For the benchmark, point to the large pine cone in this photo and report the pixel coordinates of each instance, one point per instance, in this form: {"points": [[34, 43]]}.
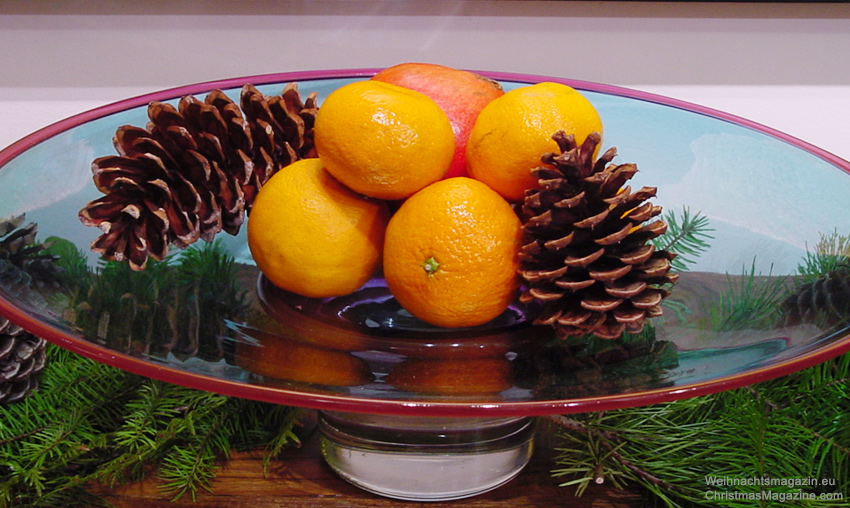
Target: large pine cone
{"points": [[194, 170], [22, 358], [586, 256]]}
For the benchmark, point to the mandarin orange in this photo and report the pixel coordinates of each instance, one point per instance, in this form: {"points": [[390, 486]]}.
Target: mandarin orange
{"points": [[461, 94], [313, 236], [451, 253], [383, 140], [515, 130]]}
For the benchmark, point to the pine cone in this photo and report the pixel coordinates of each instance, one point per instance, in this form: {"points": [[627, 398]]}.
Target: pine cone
{"points": [[824, 302], [22, 259], [194, 171], [22, 357], [587, 366], [585, 256]]}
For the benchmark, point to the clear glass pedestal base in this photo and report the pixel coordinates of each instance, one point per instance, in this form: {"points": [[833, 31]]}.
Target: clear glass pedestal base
{"points": [[425, 458]]}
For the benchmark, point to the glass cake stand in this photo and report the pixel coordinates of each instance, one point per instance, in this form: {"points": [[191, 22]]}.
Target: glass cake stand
{"points": [[415, 412]]}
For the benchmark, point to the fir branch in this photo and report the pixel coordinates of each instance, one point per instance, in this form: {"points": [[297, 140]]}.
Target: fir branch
{"points": [[608, 440], [687, 236], [187, 468], [93, 423], [791, 427], [287, 421]]}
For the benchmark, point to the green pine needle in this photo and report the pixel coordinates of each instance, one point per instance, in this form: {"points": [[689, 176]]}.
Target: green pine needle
{"points": [[791, 427], [688, 236], [751, 300], [831, 252], [91, 423]]}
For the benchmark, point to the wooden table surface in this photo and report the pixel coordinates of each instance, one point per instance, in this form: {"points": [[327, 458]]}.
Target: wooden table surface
{"points": [[302, 479]]}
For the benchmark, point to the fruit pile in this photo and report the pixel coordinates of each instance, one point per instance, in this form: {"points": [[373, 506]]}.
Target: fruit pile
{"points": [[417, 173]]}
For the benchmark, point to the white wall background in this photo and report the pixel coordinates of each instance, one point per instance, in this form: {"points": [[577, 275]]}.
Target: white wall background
{"points": [[784, 65]]}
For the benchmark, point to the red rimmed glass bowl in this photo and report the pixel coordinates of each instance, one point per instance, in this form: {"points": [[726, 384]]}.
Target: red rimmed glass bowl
{"points": [[768, 199]]}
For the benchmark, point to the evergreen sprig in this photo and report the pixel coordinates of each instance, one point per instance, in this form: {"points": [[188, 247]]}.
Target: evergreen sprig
{"points": [[830, 253], [93, 423], [792, 427], [688, 236], [751, 300]]}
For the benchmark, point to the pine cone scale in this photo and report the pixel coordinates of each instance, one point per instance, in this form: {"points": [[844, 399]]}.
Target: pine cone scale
{"points": [[637, 255], [6, 345], [538, 275], [553, 185], [592, 221], [529, 250], [570, 202], [546, 293], [606, 274], [599, 303], [644, 212], [11, 224], [583, 259], [574, 316], [559, 243], [19, 240], [575, 284], [620, 289], [615, 237], [616, 178], [22, 358], [656, 267], [629, 316], [647, 300]]}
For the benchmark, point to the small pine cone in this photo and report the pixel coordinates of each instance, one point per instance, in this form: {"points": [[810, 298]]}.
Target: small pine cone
{"points": [[22, 358], [22, 258], [824, 302], [585, 257], [194, 170]]}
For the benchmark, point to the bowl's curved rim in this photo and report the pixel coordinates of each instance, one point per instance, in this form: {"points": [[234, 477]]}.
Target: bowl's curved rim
{"points": [[343, 402]]}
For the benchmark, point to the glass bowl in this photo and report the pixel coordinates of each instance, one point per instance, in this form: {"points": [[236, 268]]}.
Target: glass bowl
{"points": [[768, 199]]}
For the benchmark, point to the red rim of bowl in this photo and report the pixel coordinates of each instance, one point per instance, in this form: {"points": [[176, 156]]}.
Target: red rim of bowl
{"points": [[400, 406]]}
